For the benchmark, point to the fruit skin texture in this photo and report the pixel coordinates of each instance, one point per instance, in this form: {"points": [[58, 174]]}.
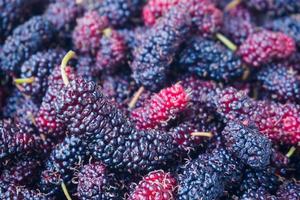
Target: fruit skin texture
{"points": [[95, 182], [88, 32], [289, 190], [152, 58], [112, 52], [13, 13], [198, 182], [156, 185], [265, 46], [22, 172], [276, 7], [259, 194], [63, 160], [254, 179], [26, 39], [161, 108], [289, 25], [247, 144], [112, 137], [119, 12], [40, 66], [46, 119], [13, 141], [281, 83], [238, 24], [207, 19], [209, 59], [15, 192]]}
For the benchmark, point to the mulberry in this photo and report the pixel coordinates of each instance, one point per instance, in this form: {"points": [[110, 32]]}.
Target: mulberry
{"points": [[238, 24], [27, 39], [265, 46], [289, 190], [13, 13], [64, 158], [156, 185], [88, 32], [13, 141], [46, 119], [210, 60], [161, 108], [95, 182], [280, 83], [115, 141], [288, 25], [247, 144], [112, 52], [39, 66], [119, 12], [151, 59]]}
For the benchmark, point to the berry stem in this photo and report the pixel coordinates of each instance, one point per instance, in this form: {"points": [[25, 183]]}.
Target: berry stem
{"points": [[290, 152], [107, 32], [230, 45], [232, 4], [65, 190], [24, 80], [202, 134], [64, 62], [136, 97]]}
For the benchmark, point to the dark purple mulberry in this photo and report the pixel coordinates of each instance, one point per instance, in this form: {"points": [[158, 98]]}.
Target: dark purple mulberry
{"points": [[14, 141], [289, 190], [95, 182], [86, 67], [238, 24], [116, 142], [211, 60], [63, 160], [119, 12], [254, 179], [13, 13], [112, 52], [289, 25], [39, 66], [152, 58], [247, 144], [280, 83], [27, 39], [259, 194]]}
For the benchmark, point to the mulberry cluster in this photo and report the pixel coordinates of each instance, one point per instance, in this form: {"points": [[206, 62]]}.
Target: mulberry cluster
{"points": [[13, 13], [27, 39], [115, 140], [152, 58], [161, 108], [262, 47], [211, 60]]}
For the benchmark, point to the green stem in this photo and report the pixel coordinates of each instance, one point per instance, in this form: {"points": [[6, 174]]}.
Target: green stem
{"points": [[64, 62], [65, 190], [290, 152], [24, 80], [230, 45]]}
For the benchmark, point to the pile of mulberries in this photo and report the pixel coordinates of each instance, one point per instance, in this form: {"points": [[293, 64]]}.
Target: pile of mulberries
{"points": [[149, 100]]}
